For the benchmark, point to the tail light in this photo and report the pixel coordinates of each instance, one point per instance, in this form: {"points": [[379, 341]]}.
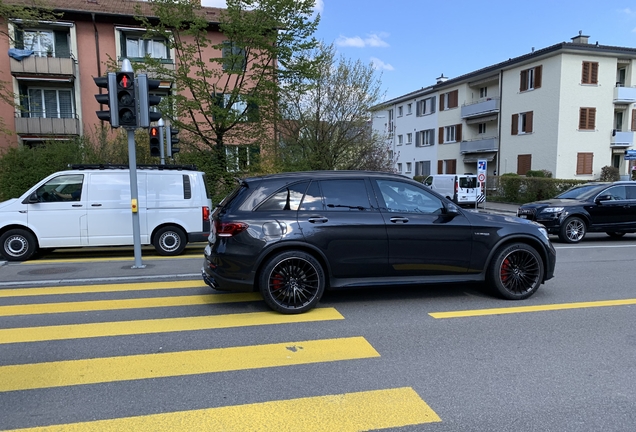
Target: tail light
{"points": [[229, 229], [456, 188], [206, 213]]}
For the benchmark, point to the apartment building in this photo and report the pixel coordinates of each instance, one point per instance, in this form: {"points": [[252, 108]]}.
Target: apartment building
{"points": [[54, 87], [568, 108]]}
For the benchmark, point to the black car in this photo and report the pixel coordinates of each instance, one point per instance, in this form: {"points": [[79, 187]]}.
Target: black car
{"points": [[590, 207], [293, 235]]}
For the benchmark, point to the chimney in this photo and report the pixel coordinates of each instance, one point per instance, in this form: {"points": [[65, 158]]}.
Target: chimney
{"points": [[580, 39], [441, 79]]}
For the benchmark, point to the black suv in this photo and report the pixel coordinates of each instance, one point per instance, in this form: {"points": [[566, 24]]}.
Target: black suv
{"points": [[590, 207], [292, 235]]}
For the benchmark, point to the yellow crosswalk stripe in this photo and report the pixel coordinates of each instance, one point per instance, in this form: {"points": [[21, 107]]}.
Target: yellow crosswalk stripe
{"points": [[348, 412], [138, 303], [537, 308], [85, 289], [121, 328], [144, 366]]}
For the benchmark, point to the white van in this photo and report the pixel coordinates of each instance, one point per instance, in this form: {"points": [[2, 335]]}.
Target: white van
{"points": [[463, 189], [90, 205]]}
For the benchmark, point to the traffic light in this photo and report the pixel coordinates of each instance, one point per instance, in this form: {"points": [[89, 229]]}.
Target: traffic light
{"points": [[173, 140], [109, 98], [146, 100], [126, 99], [155, 142]]}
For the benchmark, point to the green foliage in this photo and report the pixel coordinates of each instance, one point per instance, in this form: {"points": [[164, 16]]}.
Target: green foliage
{"points": [[419, 178], [539, 173], [517, 189], [610, 174]]}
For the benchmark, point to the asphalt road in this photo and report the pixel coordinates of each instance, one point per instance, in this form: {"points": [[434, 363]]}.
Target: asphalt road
{"points": [[85, 340]]}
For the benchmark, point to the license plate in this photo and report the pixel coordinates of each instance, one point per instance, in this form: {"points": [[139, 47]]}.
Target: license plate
{"points": [[523, 216]]}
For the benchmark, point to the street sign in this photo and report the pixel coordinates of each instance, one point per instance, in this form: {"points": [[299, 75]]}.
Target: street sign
{"points": [[630, 152], [482, 177]]}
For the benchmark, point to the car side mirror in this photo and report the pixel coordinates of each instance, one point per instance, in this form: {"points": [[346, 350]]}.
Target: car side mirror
{"points": [[452, 210], [33, 198], [603, 198]]}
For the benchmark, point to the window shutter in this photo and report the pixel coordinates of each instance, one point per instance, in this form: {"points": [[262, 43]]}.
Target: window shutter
{"points": [[440, 136], [418, 142], [585, 76], [580, 161], [524, 164], [458, 134], [634, 119], [62, 49], [453, 98], [584, 163], [537, 76], [594, 73], [441, 102], [523, 84], [451, 166], [515, 124], [18, 37], [529, 116], [440, 167], [582, 118], [588, 163], [591, 118], [431, 137], [418, 108]]}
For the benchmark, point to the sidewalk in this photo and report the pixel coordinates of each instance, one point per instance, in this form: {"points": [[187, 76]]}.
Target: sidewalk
{"points": [[499, 208]]}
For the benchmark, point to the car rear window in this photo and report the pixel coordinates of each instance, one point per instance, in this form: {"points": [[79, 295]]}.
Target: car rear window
{"points": [[468, 182]]}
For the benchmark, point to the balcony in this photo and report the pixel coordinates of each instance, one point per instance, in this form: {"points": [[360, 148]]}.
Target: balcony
{"points": [[34, 66], [47, 126], [481, 108], [622, 139], [479, 145], [624, 95]]}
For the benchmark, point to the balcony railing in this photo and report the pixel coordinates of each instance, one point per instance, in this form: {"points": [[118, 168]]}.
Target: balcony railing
{"points": [[34, 65], [47, 126], [479, 145], [621, 139], [480, 108], [624, 95]]}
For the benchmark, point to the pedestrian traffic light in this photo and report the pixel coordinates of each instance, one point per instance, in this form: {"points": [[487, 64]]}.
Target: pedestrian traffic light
{"points": [[146, 100], [126, 99], [109, 98], [173, 140], [155, 141]]}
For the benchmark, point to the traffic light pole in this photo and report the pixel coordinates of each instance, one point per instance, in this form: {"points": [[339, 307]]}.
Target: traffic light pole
{"points": [[134, 198], [162, 153]]}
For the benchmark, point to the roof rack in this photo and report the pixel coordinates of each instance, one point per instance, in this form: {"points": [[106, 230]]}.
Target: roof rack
{"points": [[142, 167]]}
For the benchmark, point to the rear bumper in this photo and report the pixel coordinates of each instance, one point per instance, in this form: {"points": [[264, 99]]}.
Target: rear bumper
{"points": [[194, 237]]}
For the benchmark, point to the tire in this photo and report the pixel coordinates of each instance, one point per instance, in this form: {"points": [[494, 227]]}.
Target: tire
{"points": [[292, 282], [573, 230], [516, 271], [615, 235], [169, 241], [17, 245]]}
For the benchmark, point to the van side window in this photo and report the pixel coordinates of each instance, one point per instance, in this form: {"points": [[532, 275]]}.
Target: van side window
{"points": [[187, 189], [61, 188]]}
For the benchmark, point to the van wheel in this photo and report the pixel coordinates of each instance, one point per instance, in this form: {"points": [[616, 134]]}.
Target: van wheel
{"points": [[169, 240], [18, 245], [292, 282]]}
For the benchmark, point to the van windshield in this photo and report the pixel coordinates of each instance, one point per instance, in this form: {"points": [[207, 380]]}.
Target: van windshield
{"points": [[468, 182]]}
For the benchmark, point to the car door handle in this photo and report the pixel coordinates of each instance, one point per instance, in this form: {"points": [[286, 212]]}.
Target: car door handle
{"points": [[77, 205], [318, 219], [96, 205], [399, 220]]}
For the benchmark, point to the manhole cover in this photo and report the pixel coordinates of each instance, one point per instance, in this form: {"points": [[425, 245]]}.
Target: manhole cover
{"points": [[50, 271]]}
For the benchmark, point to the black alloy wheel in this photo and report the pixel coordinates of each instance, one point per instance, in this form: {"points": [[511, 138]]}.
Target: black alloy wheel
{"points": [[292, 282], [516, 272]]}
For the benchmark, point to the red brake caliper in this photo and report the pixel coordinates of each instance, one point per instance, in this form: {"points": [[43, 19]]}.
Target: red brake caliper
{"points": [[505, 266], [277, 283]]}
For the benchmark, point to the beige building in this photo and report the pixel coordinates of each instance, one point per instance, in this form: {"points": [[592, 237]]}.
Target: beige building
{"points": [[568, 108]]}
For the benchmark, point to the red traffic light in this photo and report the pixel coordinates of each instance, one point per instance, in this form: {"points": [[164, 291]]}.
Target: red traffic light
{"points": [[125, 81], [154, 131]]}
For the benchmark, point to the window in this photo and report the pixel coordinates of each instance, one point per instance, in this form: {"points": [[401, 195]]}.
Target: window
{"points": [[136, 46], [448, 166], [483, 92], [425, 106], [408, 167], [399, 168], [400, 140], [400, 111], [238, 107], [450, 134], [61, 188], [234, 59], [409, 109], [449, 100], [409, 138], [530, 78], [589, 74], [524, 164], [404, 197], [345, 195], [287, 198], [522, 123], [423, 168], [587, 118], [241, 157], [43, 42], [482, 128], [425, 138], [584, 163], [49, 103], [390, 125], [40, 41]]}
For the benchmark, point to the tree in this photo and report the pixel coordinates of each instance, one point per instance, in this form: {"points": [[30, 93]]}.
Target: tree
{"points": [[226, 91], [326, 118]]}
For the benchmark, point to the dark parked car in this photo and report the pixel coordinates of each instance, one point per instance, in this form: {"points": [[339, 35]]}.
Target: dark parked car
{"points": [[293, 235], [591, 207]]}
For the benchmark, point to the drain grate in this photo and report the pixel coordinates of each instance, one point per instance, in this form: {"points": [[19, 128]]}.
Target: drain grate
{"points": [[50, 271]]}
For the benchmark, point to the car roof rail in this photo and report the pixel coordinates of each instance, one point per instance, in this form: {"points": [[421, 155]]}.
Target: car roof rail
{"points": [[142, 167]]}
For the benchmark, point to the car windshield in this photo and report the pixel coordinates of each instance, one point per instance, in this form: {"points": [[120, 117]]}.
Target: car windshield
{"points": [[581, 192]]}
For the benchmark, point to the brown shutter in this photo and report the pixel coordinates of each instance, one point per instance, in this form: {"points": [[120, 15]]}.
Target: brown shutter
{"points": [[634, 119], [591, 118], [515, 124], [584, 163], [441, 102], [458, 134], [589, 163], [537, 76], [451, 166], [594, 74], [580, 161], [453, 98], [529, 116], [440, 136], [524, 164], [523, 83], [582, 118], [585, 75], [440, 167]]}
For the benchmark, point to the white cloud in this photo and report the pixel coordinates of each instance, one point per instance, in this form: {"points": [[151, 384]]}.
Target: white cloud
{"points": [[319, 6], [372, 40], [379, 64]]}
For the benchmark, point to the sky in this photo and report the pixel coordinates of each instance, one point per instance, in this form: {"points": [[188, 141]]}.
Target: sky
{"points": [[412, 42]]}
